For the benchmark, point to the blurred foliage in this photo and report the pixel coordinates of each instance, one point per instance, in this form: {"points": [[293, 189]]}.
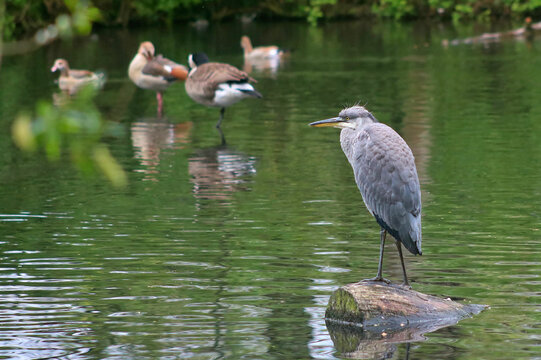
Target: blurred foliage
{"points": [[313, 10], [69, 16], [396, 9], [73, 126], [83, 14], [462, 11], [23, 16]]}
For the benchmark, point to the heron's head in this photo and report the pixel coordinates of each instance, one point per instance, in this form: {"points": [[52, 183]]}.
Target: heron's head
{"points": [[350, 118], [147, 50]]}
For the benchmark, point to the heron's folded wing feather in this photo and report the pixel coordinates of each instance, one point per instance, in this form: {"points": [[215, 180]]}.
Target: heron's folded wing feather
{"points": [[387, 178]]}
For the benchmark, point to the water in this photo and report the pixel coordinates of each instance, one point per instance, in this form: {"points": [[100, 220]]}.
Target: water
{"points": [[217, 252]]}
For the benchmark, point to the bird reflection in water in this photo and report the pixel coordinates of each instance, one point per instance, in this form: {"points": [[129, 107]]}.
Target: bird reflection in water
{"points": [[265, 66], [217, 172], [151, 136], [69, 91], [61, 98]]}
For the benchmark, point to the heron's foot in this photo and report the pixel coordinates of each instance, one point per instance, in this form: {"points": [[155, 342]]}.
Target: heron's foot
{"points": [[378, 279], [405, 286]]}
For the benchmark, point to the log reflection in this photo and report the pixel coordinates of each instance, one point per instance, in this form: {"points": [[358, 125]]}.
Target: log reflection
{"points": [[355, 342]]}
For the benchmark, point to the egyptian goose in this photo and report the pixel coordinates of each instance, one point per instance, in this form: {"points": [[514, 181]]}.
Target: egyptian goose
{"points": [[154, 72], [217, 84], [260, 52], [528, 29], [71, 80]]}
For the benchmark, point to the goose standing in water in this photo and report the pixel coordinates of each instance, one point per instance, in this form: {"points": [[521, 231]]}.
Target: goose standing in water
{"points": [[217, 84], [154, 72]]}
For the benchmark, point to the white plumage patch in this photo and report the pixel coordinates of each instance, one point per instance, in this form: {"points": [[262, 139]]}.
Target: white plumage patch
{"points": [[168, 68], [229, 94]]}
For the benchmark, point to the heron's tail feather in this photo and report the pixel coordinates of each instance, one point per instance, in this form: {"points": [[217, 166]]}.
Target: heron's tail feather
{"points": [[412, 246], [414, 239], [410, 237]]}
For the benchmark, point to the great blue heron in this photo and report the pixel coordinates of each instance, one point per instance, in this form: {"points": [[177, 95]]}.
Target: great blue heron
{"points": [[386, 176]]}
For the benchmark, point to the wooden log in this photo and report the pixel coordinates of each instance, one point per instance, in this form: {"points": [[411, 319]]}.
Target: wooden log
{"points": [[376, 304], [366, 319]]}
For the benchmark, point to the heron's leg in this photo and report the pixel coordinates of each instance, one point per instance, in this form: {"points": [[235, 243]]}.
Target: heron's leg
{"points": [[399, 247], [382, 235], [219, 123], [379, 276], [159, 97], [408, 350]]}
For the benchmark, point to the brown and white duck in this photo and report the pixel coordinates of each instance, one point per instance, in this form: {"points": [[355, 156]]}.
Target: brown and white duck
{"points": [[154, 72], [72, 80], [260, 52], [217, 84]]}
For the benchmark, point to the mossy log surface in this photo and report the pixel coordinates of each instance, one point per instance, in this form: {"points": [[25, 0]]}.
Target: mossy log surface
{"points": [[385, 306]]}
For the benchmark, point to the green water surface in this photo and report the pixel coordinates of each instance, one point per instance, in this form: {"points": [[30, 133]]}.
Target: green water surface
{"points": [[232, 252]]}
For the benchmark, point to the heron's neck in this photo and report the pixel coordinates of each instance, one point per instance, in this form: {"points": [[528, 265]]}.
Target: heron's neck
{"points": [[350, 137], [347, 142]]}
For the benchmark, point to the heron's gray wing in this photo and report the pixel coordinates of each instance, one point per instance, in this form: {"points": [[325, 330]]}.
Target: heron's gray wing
{"points": [[386, 175]]}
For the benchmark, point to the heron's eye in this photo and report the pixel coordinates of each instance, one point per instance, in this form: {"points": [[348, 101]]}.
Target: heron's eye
{"points": [[347, 118]]}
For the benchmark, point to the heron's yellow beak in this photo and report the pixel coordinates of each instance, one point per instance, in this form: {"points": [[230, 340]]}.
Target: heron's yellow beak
{"points": [[336, 122], [327, 122]]}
